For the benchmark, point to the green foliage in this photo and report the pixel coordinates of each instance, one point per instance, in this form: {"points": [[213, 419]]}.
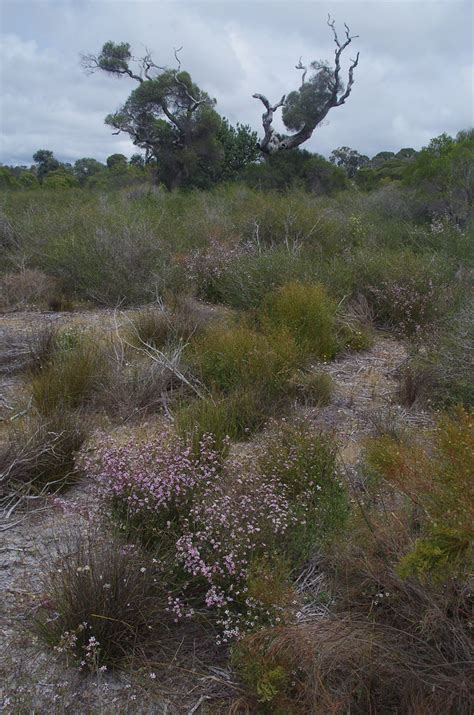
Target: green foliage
{"points": [[267, 677], [440, 555], [304, 463], [307, 313], [246, 279], [349, 159], [117, 163], [436, 479], [72, 376], [236, 416], [46, 163], [304, 106], [85, 168], [296, 168], [240, 147], [227, 358], [59, 179], [312, 388], [407, 291], [167, 115], [7, 180], [442, 176]]}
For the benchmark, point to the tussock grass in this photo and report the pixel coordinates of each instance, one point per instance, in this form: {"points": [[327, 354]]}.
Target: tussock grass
{"points": [[72, 376], [38, 455], [236, 416], [106, 599], [313, 389]]}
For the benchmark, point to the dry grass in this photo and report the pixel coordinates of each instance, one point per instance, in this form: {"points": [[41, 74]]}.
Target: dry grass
{"points": [[106, 598], [38, 456]]}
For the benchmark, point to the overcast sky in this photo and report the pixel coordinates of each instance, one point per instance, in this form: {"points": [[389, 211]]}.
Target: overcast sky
{"points": [[414, 79]]}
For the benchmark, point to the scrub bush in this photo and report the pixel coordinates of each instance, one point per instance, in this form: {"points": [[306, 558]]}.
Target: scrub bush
{"points": [[307, 313]]}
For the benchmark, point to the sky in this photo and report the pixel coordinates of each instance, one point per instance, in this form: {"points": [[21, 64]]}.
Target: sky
{"points": [[413, 82]]}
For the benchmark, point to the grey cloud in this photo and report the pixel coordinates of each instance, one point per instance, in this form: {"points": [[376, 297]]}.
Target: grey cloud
{"points": [[413, 81]]}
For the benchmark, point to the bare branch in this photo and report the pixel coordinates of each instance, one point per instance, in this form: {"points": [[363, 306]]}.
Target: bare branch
{"points": [[354, 64], [301, 66], [270, 141]]}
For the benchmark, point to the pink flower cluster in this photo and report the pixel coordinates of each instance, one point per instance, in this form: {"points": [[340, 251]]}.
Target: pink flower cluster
{"points": [[223, 518], [410, 305], [235, 521], [206, 264], [152, 477]]}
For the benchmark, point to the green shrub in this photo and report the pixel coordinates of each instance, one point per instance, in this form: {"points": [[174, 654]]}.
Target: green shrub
{"points": [[407, 291], [235, 416], [441, 373], [304, 464], [244, 281], [436, 479], [229, 358], [307, 313], [72, 376], [157, 325], [312, 388]]}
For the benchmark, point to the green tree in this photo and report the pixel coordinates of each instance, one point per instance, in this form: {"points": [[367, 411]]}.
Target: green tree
{"points": [[60, 179], [137, 160], [117, 163], [298, 168], [348, 159], [167, 115], [442, 175], [85, 168], [46, 163], [240, 147], [303, 109]]}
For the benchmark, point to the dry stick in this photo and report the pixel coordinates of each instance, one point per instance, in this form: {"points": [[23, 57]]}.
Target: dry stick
{"points": [[162, 359], [354, 490]]}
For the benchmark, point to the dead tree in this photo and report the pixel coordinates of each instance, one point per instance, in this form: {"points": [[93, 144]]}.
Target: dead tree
{"points": [[306, 107]]}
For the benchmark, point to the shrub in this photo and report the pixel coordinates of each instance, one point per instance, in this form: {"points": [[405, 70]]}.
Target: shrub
{"points": [[346, 663], [307, 313], [101, 602], [150, 326], [142, 387], [235, 416], [247, 278], [26, 288], [223, 532], [73, 375], [441, 373], [228, 358], [149, 485], [303, 463], [312, 388], [38, 455], [159, 325], [437, 479], [407, 291]]}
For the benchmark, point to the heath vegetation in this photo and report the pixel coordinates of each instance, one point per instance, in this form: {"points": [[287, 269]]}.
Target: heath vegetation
{"points": [[189, 375]]}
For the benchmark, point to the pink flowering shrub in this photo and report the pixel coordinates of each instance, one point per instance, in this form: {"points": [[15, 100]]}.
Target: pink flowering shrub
{"points": [[210, 523], [407, 304], [149, 486], [233, 524]]}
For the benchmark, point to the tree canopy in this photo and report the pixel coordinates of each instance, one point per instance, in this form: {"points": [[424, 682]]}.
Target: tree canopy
{"points": [[173, 120]]}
